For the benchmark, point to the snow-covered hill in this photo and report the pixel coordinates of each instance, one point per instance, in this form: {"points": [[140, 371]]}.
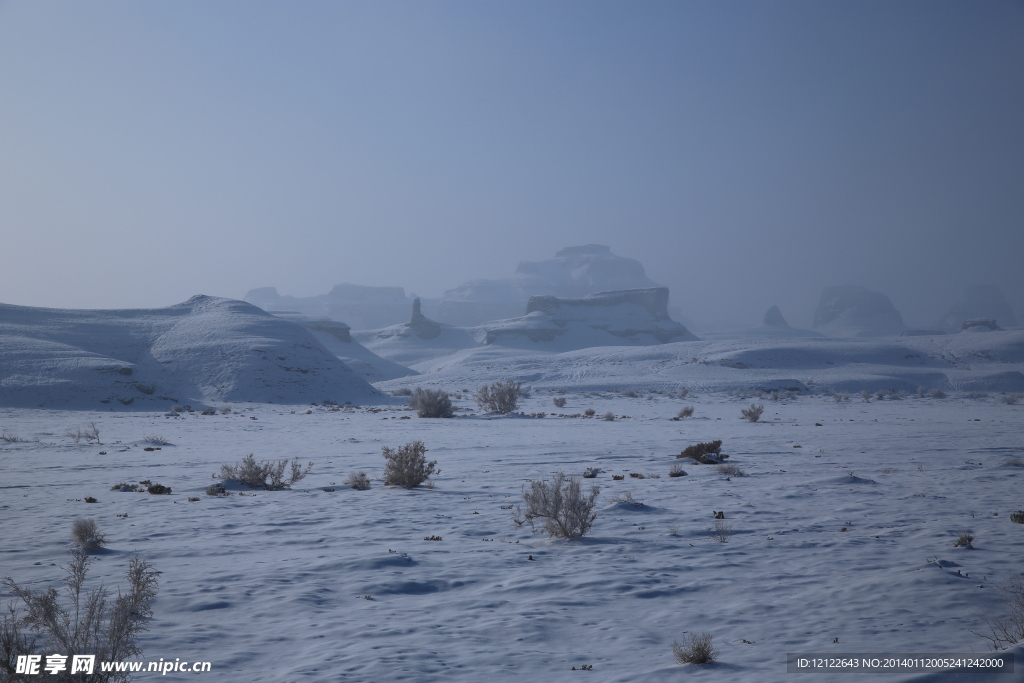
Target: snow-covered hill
{"points": [[201, 351]]}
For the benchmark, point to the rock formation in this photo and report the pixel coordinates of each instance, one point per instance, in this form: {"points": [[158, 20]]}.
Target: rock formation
{"points": [[978, 303], [852, 311]]}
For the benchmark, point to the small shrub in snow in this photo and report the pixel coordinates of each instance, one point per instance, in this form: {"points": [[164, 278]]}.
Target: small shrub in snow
{"points": [[407, 466], [559, 401], [685, 412], [217, 490], [1010, 630], [628, 393], [226, 410], [627, 498], [209, 411], [608, 417], [589, 412], [1017, 517], [158, 489], [683, 392], [90, 433], [91, 624], [1011, 399], [431, 402], [964, 539], [87, 534], [359, 481], [7, 437], [720, 531], [560, 506], [267, 475], [937, 393], [677, 471], [709, 453], [402, 391], [866, 395], [730, 471], [500, 397], [591, 473], [753, 413], [157, 440], [694, 648]]}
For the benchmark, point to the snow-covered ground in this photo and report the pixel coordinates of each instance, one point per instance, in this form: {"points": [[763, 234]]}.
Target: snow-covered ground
{"points": [[309, 585]]}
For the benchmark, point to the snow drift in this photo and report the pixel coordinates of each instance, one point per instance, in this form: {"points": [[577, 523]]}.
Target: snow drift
{"points": [[204, 350]]}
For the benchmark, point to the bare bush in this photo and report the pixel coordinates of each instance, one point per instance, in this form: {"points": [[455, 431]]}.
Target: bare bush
{"points": [[720, 531], [226, 410], [91, 624], [608, 417], [7, 437], [937, 393], [407, 466], [86, 533], [1009, 630], [677, 471], [560, 507], [709, 453], [402, 391], [685, 412], [866, 395], [753, 413], [628, 393], [964, 539], [500, 397], [267, 475], [559, 401], [730, 471], [359, 481], [589, 412], [683, 392], [157, 440], [1011, 399], [1017, 517], [431, 402], [694, 648]]}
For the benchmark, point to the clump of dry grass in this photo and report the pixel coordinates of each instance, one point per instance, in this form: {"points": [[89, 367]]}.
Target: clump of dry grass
{"points": [[694, 648], [86, 533], [730, 471], [267, 475], [753, 413], [359, 481], [964, 539]]}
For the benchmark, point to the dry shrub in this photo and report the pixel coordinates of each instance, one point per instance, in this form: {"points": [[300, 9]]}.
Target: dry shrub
{"points": [[589, 412], [559, 401], [560, 506], [720, 531], [86, 533], [1017, 517], [685, 412], [402, 391], [677, 471], [267, 475], [694, 648], [937, 393], [359, 481], [608, 417], [91, 624], [407, 466], [964, 539], [730, 471], [1010, 630], [431, 403], [709, 453], [500, 397], [753, 413]]}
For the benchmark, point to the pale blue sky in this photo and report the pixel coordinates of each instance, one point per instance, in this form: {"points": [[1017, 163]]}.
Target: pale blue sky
{"points": [[747, 153]]}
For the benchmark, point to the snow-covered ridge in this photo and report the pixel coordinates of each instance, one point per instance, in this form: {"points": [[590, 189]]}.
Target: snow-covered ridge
{"points": [[204, 350]]}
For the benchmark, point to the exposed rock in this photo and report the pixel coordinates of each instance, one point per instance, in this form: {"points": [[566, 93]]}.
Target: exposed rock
{"points": [[360, 306], [980, 325], [574, 272], [852, 311], [979, 302], [773, 318], [424, 327], [630, 317]]}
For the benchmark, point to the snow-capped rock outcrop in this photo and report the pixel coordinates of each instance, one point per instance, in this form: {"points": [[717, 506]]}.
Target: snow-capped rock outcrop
{"points": [[852, 311], [204, 350], [622, 318], [574, 272], [978, 303]]}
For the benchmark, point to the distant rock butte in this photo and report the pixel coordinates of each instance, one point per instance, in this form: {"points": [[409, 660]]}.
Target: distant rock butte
{"points": [[634, 316], [773, 317], [978, 303], [573, 272], [422, 326], [853, 311]]}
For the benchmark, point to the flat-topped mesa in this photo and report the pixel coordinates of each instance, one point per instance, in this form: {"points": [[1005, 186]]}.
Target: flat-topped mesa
{"points": [[980, 302], [853, 311], [654, 300], [628, 317], [980, 325], [773, 317], [424, 327]]}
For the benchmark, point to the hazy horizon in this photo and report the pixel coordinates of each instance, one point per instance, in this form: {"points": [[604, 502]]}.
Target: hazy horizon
{"points": [[747, 154]]}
